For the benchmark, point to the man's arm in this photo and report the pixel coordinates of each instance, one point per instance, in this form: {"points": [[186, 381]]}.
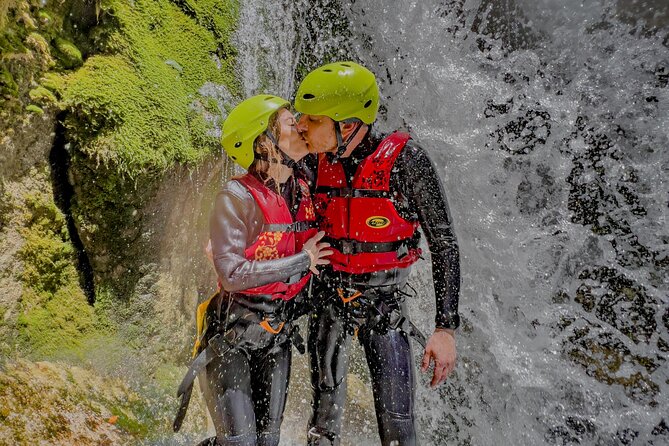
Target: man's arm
{"points": [[426, 197], [425, 194]]}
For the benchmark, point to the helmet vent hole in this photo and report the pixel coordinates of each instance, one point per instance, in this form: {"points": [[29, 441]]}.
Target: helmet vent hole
{"points": [[368, 103], [234, 157], [308, 96], [268, 98], [327, 70], [238, 144], [345, 65]]}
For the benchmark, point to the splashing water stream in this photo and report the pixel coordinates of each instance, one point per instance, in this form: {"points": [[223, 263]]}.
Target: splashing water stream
{"points": [[549, 123]]}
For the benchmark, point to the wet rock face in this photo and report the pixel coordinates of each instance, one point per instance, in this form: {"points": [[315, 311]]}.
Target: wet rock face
{"points": [[138, 157], [524, 133], [537, 191], [108, 212], [63, 405]]}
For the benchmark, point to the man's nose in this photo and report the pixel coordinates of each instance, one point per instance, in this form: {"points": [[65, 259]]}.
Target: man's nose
{"points": [[302, 124]]}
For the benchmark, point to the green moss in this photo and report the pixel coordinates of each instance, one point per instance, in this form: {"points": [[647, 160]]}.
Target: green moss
{"points": [[31, 108], [54, 312], [68, 54], [212, 106], [27, 27], [135, 418], [132, 108], [38, 43], [7, 84], [42, 95], [53, 82]]}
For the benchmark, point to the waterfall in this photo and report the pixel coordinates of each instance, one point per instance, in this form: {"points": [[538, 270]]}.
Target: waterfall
{"points": [[549, 124]]}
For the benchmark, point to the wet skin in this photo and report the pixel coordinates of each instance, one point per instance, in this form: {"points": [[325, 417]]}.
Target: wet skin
{"points": [[291, 140], [320, 135]]}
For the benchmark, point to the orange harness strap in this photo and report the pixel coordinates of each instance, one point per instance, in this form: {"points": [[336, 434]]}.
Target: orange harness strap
{"points": [[350, 298], [265, 324]]}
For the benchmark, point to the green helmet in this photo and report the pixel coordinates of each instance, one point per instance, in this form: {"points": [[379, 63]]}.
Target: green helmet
{"points": [[245, 123], [340, 90]]}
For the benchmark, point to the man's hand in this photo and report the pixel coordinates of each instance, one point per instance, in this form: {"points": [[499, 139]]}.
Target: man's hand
{"points": [[440, 349]]}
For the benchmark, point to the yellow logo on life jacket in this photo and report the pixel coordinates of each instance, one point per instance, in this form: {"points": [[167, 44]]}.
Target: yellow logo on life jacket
{"points": [[377, 222]]}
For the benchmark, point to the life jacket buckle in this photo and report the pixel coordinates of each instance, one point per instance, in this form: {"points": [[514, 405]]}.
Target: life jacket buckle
{"points": [[267, 326], [346, 247]]}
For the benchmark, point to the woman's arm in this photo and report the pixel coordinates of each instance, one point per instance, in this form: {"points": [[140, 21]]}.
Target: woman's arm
{"points": [[235, 223]]}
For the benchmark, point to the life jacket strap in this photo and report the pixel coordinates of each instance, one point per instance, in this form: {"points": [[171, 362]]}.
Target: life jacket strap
{"points": [[349, 192], [298, 226], [222, 343], [347, 246]]}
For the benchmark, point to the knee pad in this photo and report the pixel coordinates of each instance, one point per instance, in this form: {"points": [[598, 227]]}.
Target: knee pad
{"points": [[397, 428], [317, 436]]}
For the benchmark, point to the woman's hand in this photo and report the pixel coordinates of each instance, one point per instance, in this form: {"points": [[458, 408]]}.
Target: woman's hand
{"points": [[317, 251]]}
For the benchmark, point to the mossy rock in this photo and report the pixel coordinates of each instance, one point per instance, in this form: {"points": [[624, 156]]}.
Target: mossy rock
{"points": [[32, 108], [68, 54], [38, 43], [54, 313], [133, 108], [136, 112], [26, 28], [7, 84], [55, 403], [42, 96]]}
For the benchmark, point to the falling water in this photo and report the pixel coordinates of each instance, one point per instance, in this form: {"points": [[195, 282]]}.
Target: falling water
{"points": [[549, 124]]}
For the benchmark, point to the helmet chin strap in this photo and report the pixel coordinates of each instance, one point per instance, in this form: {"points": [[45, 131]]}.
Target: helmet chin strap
{"points": [[285, 159], [341, 144]]}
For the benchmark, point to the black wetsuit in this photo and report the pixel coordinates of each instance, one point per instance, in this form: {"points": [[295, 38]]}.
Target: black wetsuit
{"points": [[245, 389], [419, 197]]}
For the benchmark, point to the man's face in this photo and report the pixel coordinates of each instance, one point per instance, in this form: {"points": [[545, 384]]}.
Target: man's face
{"points": [[319, 133]]}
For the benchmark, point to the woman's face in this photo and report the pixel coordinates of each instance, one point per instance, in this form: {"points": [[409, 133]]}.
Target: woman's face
{"points": [[291, 141]]}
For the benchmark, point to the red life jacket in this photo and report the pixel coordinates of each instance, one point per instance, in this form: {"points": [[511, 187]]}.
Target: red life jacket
{"points": [[281, 236], [362, 224]]}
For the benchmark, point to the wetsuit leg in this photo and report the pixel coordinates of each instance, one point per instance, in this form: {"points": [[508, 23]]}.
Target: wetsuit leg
{"points": [[270, 371], [328, 354], [391, 367], [226, 385]]}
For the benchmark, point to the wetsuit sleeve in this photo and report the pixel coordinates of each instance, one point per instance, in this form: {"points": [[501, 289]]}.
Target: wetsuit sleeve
{"points": [[233, 226], [425, 193]]}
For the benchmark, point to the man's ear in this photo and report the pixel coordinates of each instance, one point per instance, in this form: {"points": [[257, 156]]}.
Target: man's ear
{"points": [[347, 128]]}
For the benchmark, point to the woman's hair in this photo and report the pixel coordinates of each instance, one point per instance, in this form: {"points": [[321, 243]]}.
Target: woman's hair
{"points": [[268, 171]]}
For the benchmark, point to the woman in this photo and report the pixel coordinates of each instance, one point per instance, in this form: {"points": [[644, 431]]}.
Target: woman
{"points": [[264, 251]]}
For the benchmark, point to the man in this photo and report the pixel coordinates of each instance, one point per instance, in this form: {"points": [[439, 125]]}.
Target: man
{"points": [[372, 194]]}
